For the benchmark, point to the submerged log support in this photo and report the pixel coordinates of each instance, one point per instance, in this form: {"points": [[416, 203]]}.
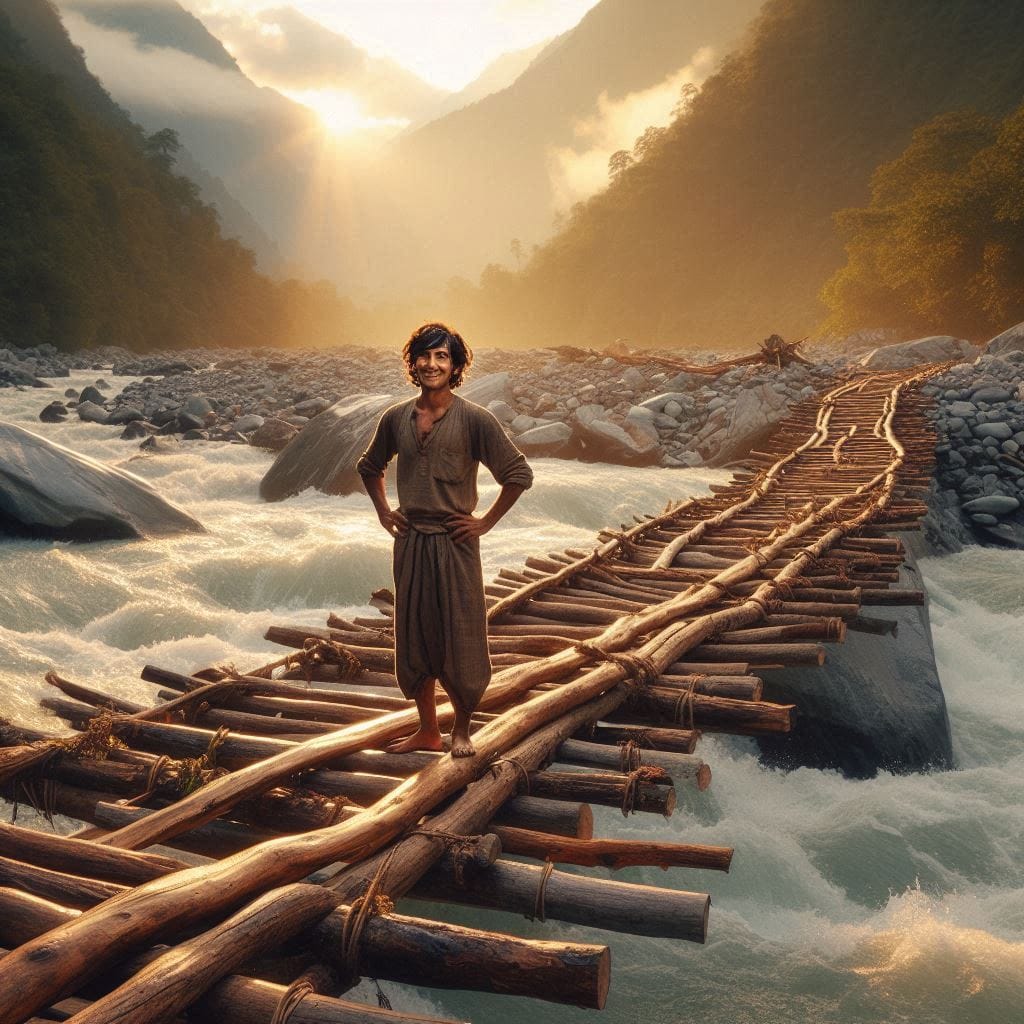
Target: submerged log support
{"points": [[595, 902]]}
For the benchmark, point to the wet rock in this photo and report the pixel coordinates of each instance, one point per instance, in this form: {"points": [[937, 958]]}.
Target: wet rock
{"points": [[876, 705], [49, 491], [997, 430], [90, 412], [125, 415], [247, 424], [273, 434], [91, 394], [160, 445], [55, 412], [1009, 341]]}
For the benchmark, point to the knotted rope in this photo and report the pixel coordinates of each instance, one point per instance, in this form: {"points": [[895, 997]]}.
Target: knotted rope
{"points": [[635, 779], [524, 773], [637, 667], [538, 902]]}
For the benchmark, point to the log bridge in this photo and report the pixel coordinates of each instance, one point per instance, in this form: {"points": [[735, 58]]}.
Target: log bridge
{"points": [[246, 839]]}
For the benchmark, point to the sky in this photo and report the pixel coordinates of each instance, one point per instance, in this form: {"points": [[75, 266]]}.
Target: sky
{"points": [[447, 43]]}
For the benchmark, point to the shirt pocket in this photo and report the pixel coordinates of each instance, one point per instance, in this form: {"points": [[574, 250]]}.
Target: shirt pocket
{"points": [[451, 466]]}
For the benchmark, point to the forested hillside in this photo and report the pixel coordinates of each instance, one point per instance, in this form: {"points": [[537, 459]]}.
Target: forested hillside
{"points": [[724, 232], [104, 243]]}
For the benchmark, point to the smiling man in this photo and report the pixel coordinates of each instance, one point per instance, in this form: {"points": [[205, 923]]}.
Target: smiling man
{"points": [[440, 614]]}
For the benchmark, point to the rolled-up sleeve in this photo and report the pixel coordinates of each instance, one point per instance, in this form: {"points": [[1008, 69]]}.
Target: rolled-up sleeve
{"points": [[381, 449], [496, 451]]}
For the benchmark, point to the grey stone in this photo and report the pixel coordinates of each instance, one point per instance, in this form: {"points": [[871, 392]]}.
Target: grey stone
{"points": [[502, 411], [198, 406], [312, 407], [273, 434], [136, 429], [125, 414], [961, 409], [247, 424], [548, 440], [189, 421], [91, 394], [160, 445], [993, 504], [324, 454], [522, 423], [672, 408], [55, 412], [999, 431], [47, 490], [877, 705], [934, 349], [983, 519], [90, 412], [991, 394], [1011, 340]]}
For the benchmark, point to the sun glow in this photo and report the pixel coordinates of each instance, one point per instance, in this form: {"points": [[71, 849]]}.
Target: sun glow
{"points": [[342, 114]]}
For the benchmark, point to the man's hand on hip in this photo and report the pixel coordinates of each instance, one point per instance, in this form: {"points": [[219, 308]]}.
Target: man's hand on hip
{"points": [[394, 522], [464, 526]]}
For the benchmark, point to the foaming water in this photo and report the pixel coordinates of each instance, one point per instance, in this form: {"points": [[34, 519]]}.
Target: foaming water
{"points": [[899, 898]]}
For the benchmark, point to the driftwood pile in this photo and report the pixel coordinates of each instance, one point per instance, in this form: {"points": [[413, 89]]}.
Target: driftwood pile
{"points": [[773, 351], [247, 839]]}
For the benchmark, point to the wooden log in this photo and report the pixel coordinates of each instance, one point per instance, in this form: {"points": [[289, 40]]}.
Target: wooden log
{"points": [[595, 902], [893, 597], [641, 792], [829, 630], [174, 980], [710, 714], [672, 738], [708, 668], [426, 953], [613, 853], [559, 817], [680, 767], [737, 687], [64, 853], [71, 890], [234, 1000], [764, 653]]}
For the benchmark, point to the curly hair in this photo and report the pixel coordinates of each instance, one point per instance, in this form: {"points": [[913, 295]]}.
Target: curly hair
{"points": [[434, 335]]}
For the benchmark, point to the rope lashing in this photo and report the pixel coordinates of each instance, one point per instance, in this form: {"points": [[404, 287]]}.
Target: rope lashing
{"points": [[538, 902], [373, 901], [637, 666], [629, 756], [635, 779], [683, 709], [524, 773], [627, 546], [459, 846], [317, 651]]}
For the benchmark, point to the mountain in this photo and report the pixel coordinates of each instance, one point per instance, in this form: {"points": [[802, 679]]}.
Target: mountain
{"points": [[102, 242], [450, 197], [724, 232], [498, 75], [162, 64]]}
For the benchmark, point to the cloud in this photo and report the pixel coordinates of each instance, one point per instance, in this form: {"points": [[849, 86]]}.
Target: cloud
{"points": [[287, 50], [581, 170], [158, 77]]}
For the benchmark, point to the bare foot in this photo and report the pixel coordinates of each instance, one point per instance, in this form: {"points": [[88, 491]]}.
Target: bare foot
{"points": [[419, 740], [462, 745]]}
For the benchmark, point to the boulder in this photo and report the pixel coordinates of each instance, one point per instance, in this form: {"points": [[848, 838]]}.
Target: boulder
{"points": [[999, 431], [547, 440], [138, 428], [160, 445], [604, 441], [273, 434], [311, 407], [876, 704], [125, 414], [502, 411], [937, 348], [992, 505], [1011, 340], [248, 423], [49, 491], [91, 412], [324, 455], [489, 388], [91, 394], [55, 412], [754, 416]]}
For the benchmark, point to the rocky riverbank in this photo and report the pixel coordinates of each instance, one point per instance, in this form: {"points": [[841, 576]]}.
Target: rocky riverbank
{"points": [[570, 404]]}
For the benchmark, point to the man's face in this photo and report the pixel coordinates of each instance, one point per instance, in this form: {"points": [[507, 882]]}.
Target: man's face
{"points": [[434, 368]]}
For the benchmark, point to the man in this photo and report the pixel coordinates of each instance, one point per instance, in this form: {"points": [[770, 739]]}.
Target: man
{"points": [[440, 613]]}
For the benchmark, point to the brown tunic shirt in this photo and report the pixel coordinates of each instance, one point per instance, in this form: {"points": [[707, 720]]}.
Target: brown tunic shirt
{"points": [[437, 476], [440, 610]]}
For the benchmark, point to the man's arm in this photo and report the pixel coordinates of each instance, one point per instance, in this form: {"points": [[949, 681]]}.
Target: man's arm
{"points": [[466, 526], [391, 519]]}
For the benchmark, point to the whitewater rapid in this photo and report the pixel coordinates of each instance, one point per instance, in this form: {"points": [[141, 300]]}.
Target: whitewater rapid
{"points": [[889, 900]]}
